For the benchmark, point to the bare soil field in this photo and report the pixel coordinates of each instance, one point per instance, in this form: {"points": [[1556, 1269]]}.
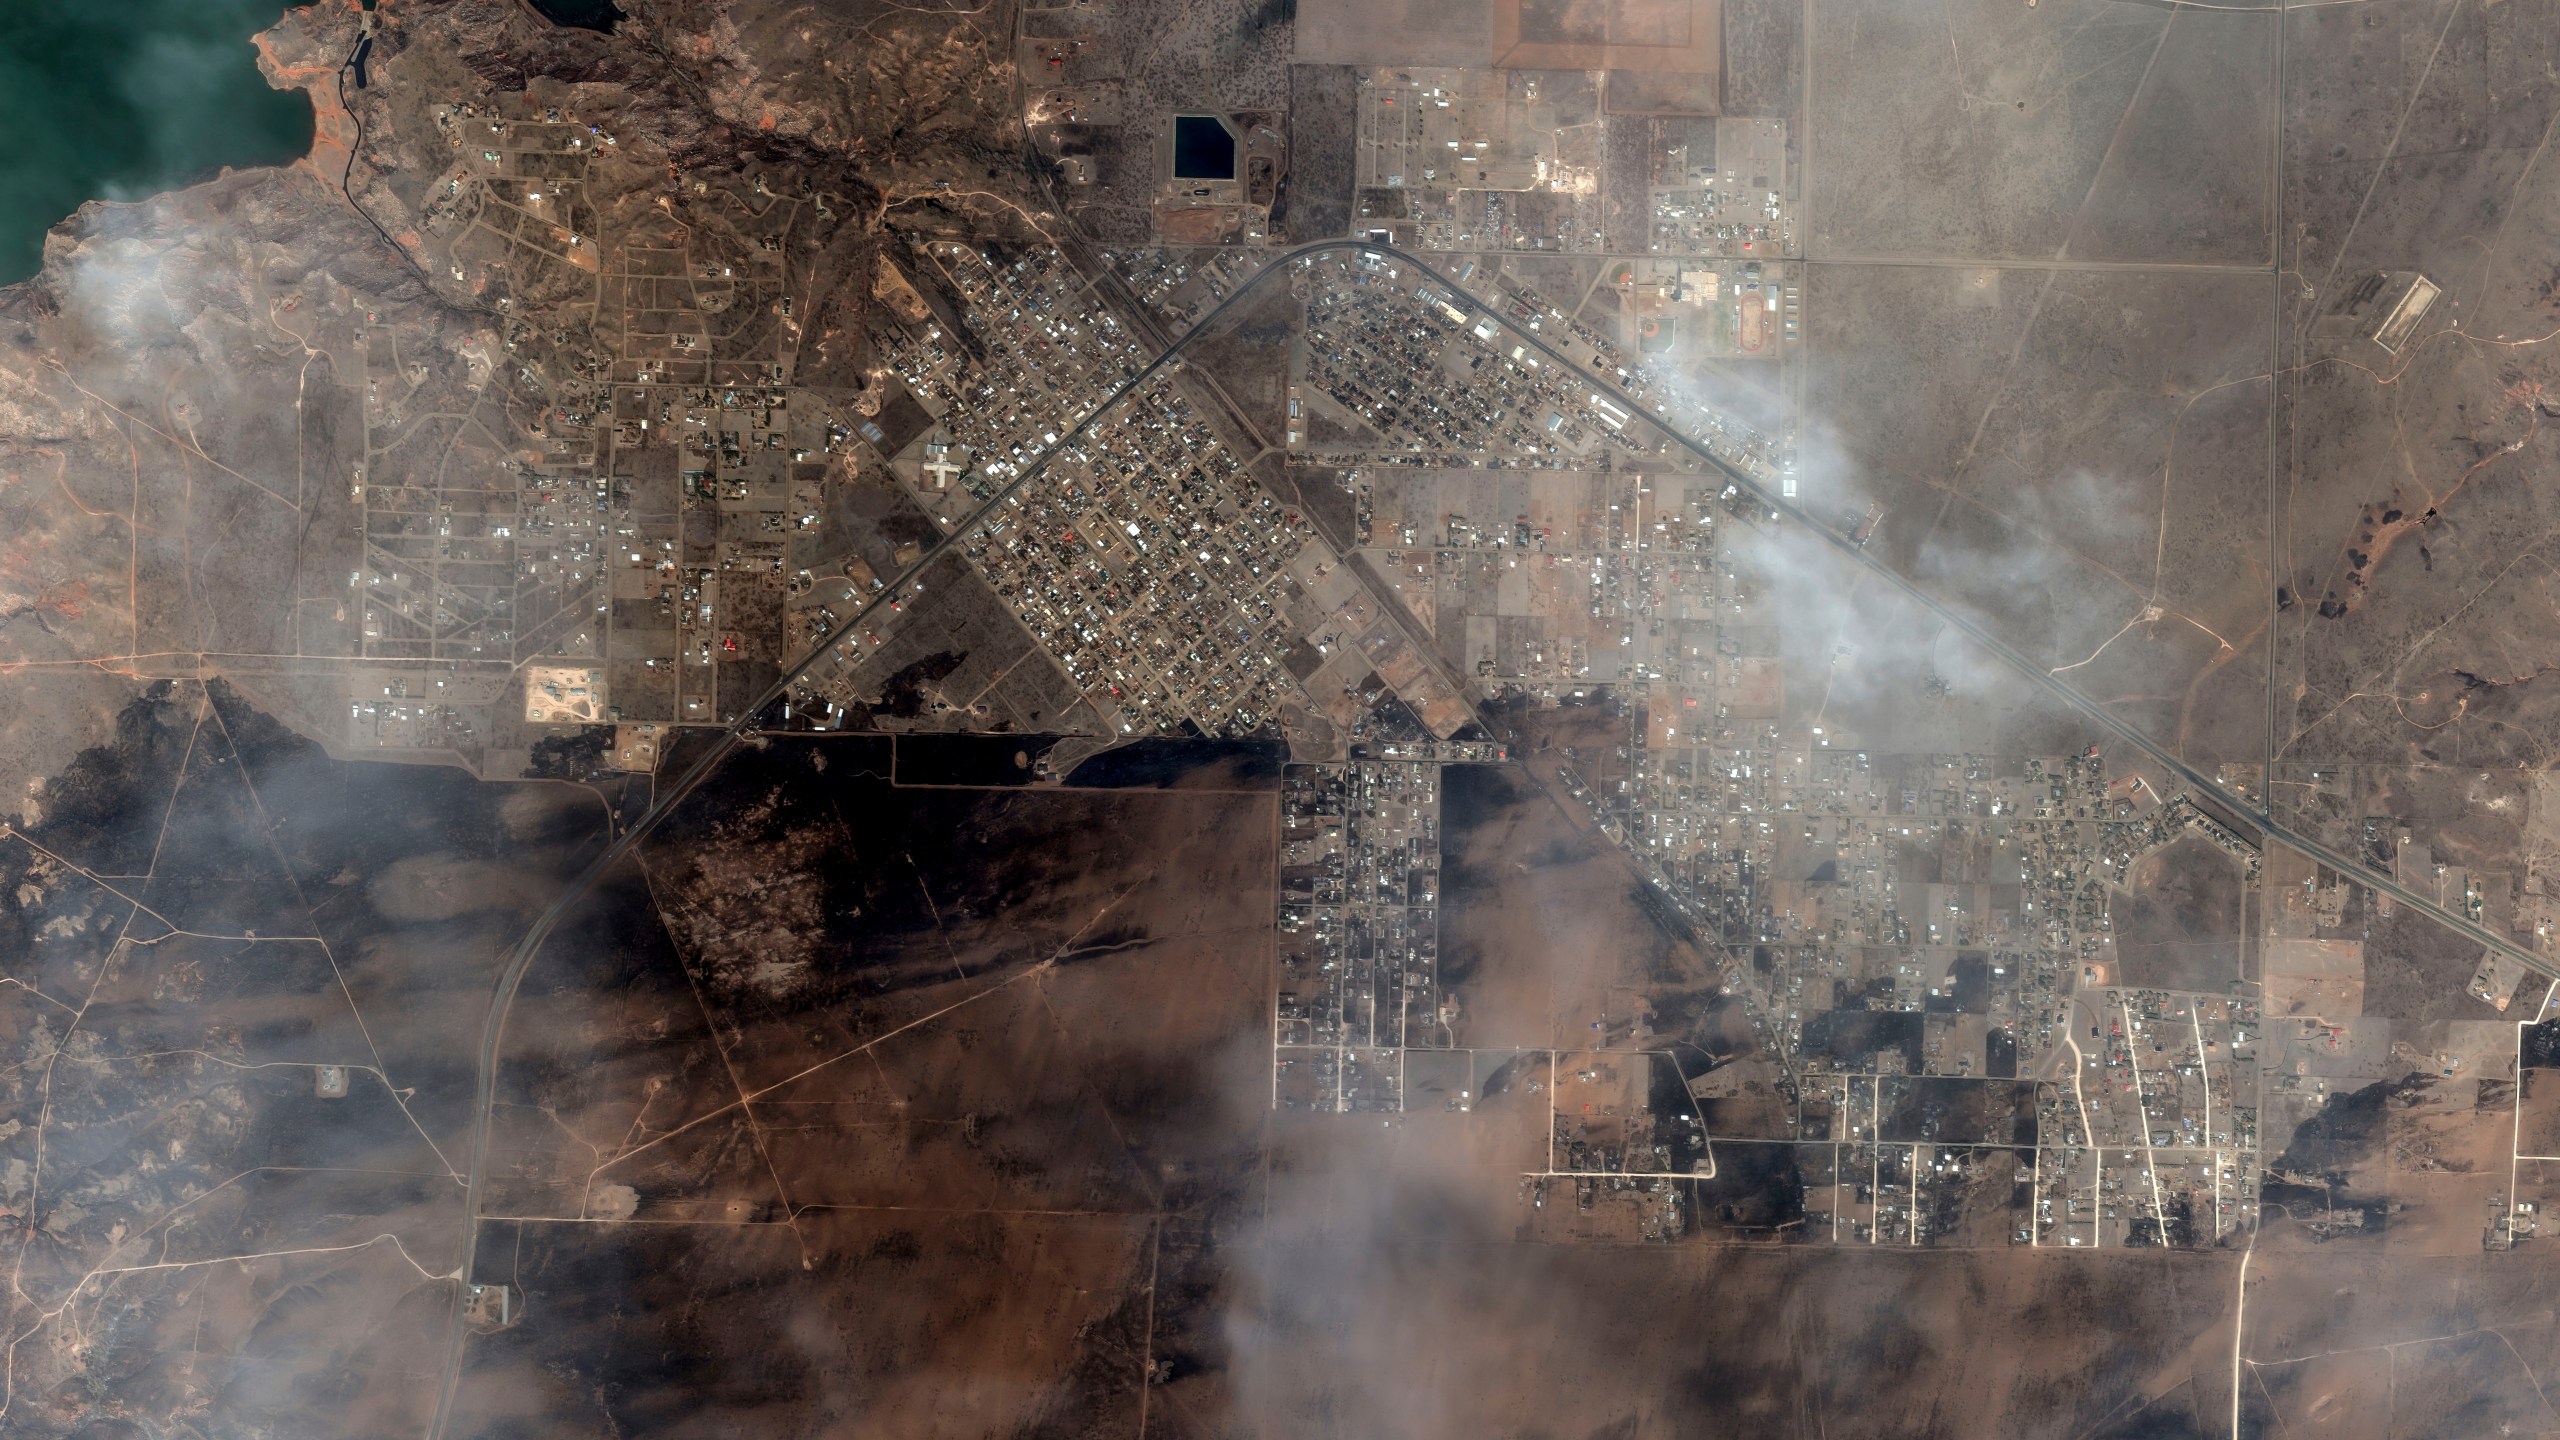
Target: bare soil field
{"points": [[2080, 130], [2078, 459], [2180, 928]]}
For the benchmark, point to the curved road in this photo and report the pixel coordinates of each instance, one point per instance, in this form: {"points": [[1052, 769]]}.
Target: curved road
{"points": [[519, 960]]}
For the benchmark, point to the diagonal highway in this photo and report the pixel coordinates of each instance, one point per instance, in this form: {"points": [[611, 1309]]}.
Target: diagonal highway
{"points": [[2248, 809], [520, 959]]}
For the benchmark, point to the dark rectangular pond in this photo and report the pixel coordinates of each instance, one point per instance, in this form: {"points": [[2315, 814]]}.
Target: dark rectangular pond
{"points": [[1202, 149], [599, 15]]}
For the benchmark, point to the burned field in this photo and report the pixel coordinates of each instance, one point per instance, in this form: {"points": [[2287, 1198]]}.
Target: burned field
{"points": [[242, 978], [975, 1084], [1527, 887], [993, 1152], [1009, 1072], [1637, 977]]}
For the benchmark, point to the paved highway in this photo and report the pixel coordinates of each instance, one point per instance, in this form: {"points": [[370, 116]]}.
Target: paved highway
{"points": [[520, 959]]}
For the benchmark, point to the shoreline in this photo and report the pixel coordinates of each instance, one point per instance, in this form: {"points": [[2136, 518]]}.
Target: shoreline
{"points": [[333, 126], [333, 130]]}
